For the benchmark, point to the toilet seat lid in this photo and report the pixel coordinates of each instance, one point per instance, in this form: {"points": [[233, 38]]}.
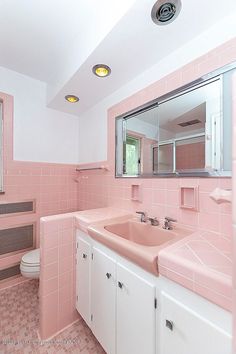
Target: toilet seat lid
{"points": [[32, 257]]}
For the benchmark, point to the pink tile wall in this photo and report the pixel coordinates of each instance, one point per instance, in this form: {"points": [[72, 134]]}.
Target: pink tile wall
{"points": [[53, 186], [57, 277], [161, 196], [234, 215]]}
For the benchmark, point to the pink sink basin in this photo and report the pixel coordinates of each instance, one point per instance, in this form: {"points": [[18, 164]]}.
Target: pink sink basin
{"points": [[138, 242], [141, 233]]}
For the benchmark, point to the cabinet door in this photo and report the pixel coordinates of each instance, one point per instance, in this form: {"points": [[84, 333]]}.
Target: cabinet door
{"points": [[135, 313], [183, 331], [103, 299], [83, 259]]}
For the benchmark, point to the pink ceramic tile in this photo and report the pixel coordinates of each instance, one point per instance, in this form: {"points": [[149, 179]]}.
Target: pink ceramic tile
{"points": [[208, 184], [65, 293], [65, 316], [50, 255], [172, 198], [209, 221], [49, 227], [189, 217], [66, 250], [48, 286], [66, 265], [66, 236], [226, 225], [49, 271], [214, 282], [65, 279], [186, 282], [206, 204], [158, 196], [50, 241], [218, 299], [49, 315]]}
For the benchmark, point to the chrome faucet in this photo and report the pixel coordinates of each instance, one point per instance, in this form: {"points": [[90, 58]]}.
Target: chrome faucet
{"points": [[144, 217], [154, 221], [167, 223]]}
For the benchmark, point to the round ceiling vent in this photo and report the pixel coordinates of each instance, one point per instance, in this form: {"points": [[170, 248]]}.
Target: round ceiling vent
{"points": [[165, 12]]}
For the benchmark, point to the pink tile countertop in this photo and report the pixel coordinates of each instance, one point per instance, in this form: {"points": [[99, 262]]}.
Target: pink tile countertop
{"points": [[202, 263], [83, 219]]}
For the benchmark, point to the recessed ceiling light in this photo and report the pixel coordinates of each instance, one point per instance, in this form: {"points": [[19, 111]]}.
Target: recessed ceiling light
{"points": [[101, 70], [72, 98]]}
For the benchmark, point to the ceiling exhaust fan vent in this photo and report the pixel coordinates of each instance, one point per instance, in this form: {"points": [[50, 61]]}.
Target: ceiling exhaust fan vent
{"points": [[190, 122], [165, 12]]}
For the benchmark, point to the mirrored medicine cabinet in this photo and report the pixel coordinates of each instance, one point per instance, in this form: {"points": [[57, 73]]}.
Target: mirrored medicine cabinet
{"points": [[186, 132]]}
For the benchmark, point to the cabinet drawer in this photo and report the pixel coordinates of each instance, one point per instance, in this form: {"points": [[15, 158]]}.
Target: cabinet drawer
{"points": [[185, 331]]}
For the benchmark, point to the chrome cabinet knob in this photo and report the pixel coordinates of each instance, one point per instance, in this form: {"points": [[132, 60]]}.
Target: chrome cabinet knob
{"points": [[108, 275], [170, 325], [120, 285]]}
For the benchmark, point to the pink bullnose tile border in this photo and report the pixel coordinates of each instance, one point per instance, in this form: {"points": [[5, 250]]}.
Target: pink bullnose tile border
{"points": [[202, 263]]}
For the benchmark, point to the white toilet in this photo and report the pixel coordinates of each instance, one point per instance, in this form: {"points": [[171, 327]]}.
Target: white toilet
{"points": [[30, 264]]}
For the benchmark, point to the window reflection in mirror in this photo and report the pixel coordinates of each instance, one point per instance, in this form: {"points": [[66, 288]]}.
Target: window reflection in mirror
{"points": [[141, 134], [132, 158]]}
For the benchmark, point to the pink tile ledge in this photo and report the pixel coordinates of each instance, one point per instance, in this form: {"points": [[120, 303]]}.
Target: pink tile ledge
{"points": [[201, 263]]}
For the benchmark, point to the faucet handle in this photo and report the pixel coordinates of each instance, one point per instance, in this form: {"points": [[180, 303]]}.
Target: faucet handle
{"points": [[141, 212], [167, 223], [167, 218], [143, 215]]}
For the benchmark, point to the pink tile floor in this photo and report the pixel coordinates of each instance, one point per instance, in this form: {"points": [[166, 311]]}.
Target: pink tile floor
{"points": [[19, 323]]}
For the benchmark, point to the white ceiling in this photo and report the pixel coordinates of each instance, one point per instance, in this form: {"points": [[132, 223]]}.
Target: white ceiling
{"points": [[59, 41]]}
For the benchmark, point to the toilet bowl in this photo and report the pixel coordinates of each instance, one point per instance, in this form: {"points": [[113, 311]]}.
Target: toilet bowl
{"points": [[30, 264]]}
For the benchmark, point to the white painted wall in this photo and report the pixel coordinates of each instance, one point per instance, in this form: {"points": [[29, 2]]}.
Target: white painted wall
{"points": [[93, 123], [40, 134]]}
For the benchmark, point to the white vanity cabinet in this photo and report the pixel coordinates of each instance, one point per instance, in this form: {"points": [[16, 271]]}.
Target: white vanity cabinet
{"points": [[131, 311], [83, 283], [136, 312], [103, 299], [190, 324], [121, 304]]}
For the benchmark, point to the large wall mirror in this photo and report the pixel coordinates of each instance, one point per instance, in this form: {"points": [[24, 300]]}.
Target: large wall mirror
{"points": [[184, 133]]}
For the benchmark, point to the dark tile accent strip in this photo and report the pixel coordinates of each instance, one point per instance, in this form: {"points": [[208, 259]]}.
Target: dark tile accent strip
{"points": [[17, 238], [9, 272], [18, 207]]}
